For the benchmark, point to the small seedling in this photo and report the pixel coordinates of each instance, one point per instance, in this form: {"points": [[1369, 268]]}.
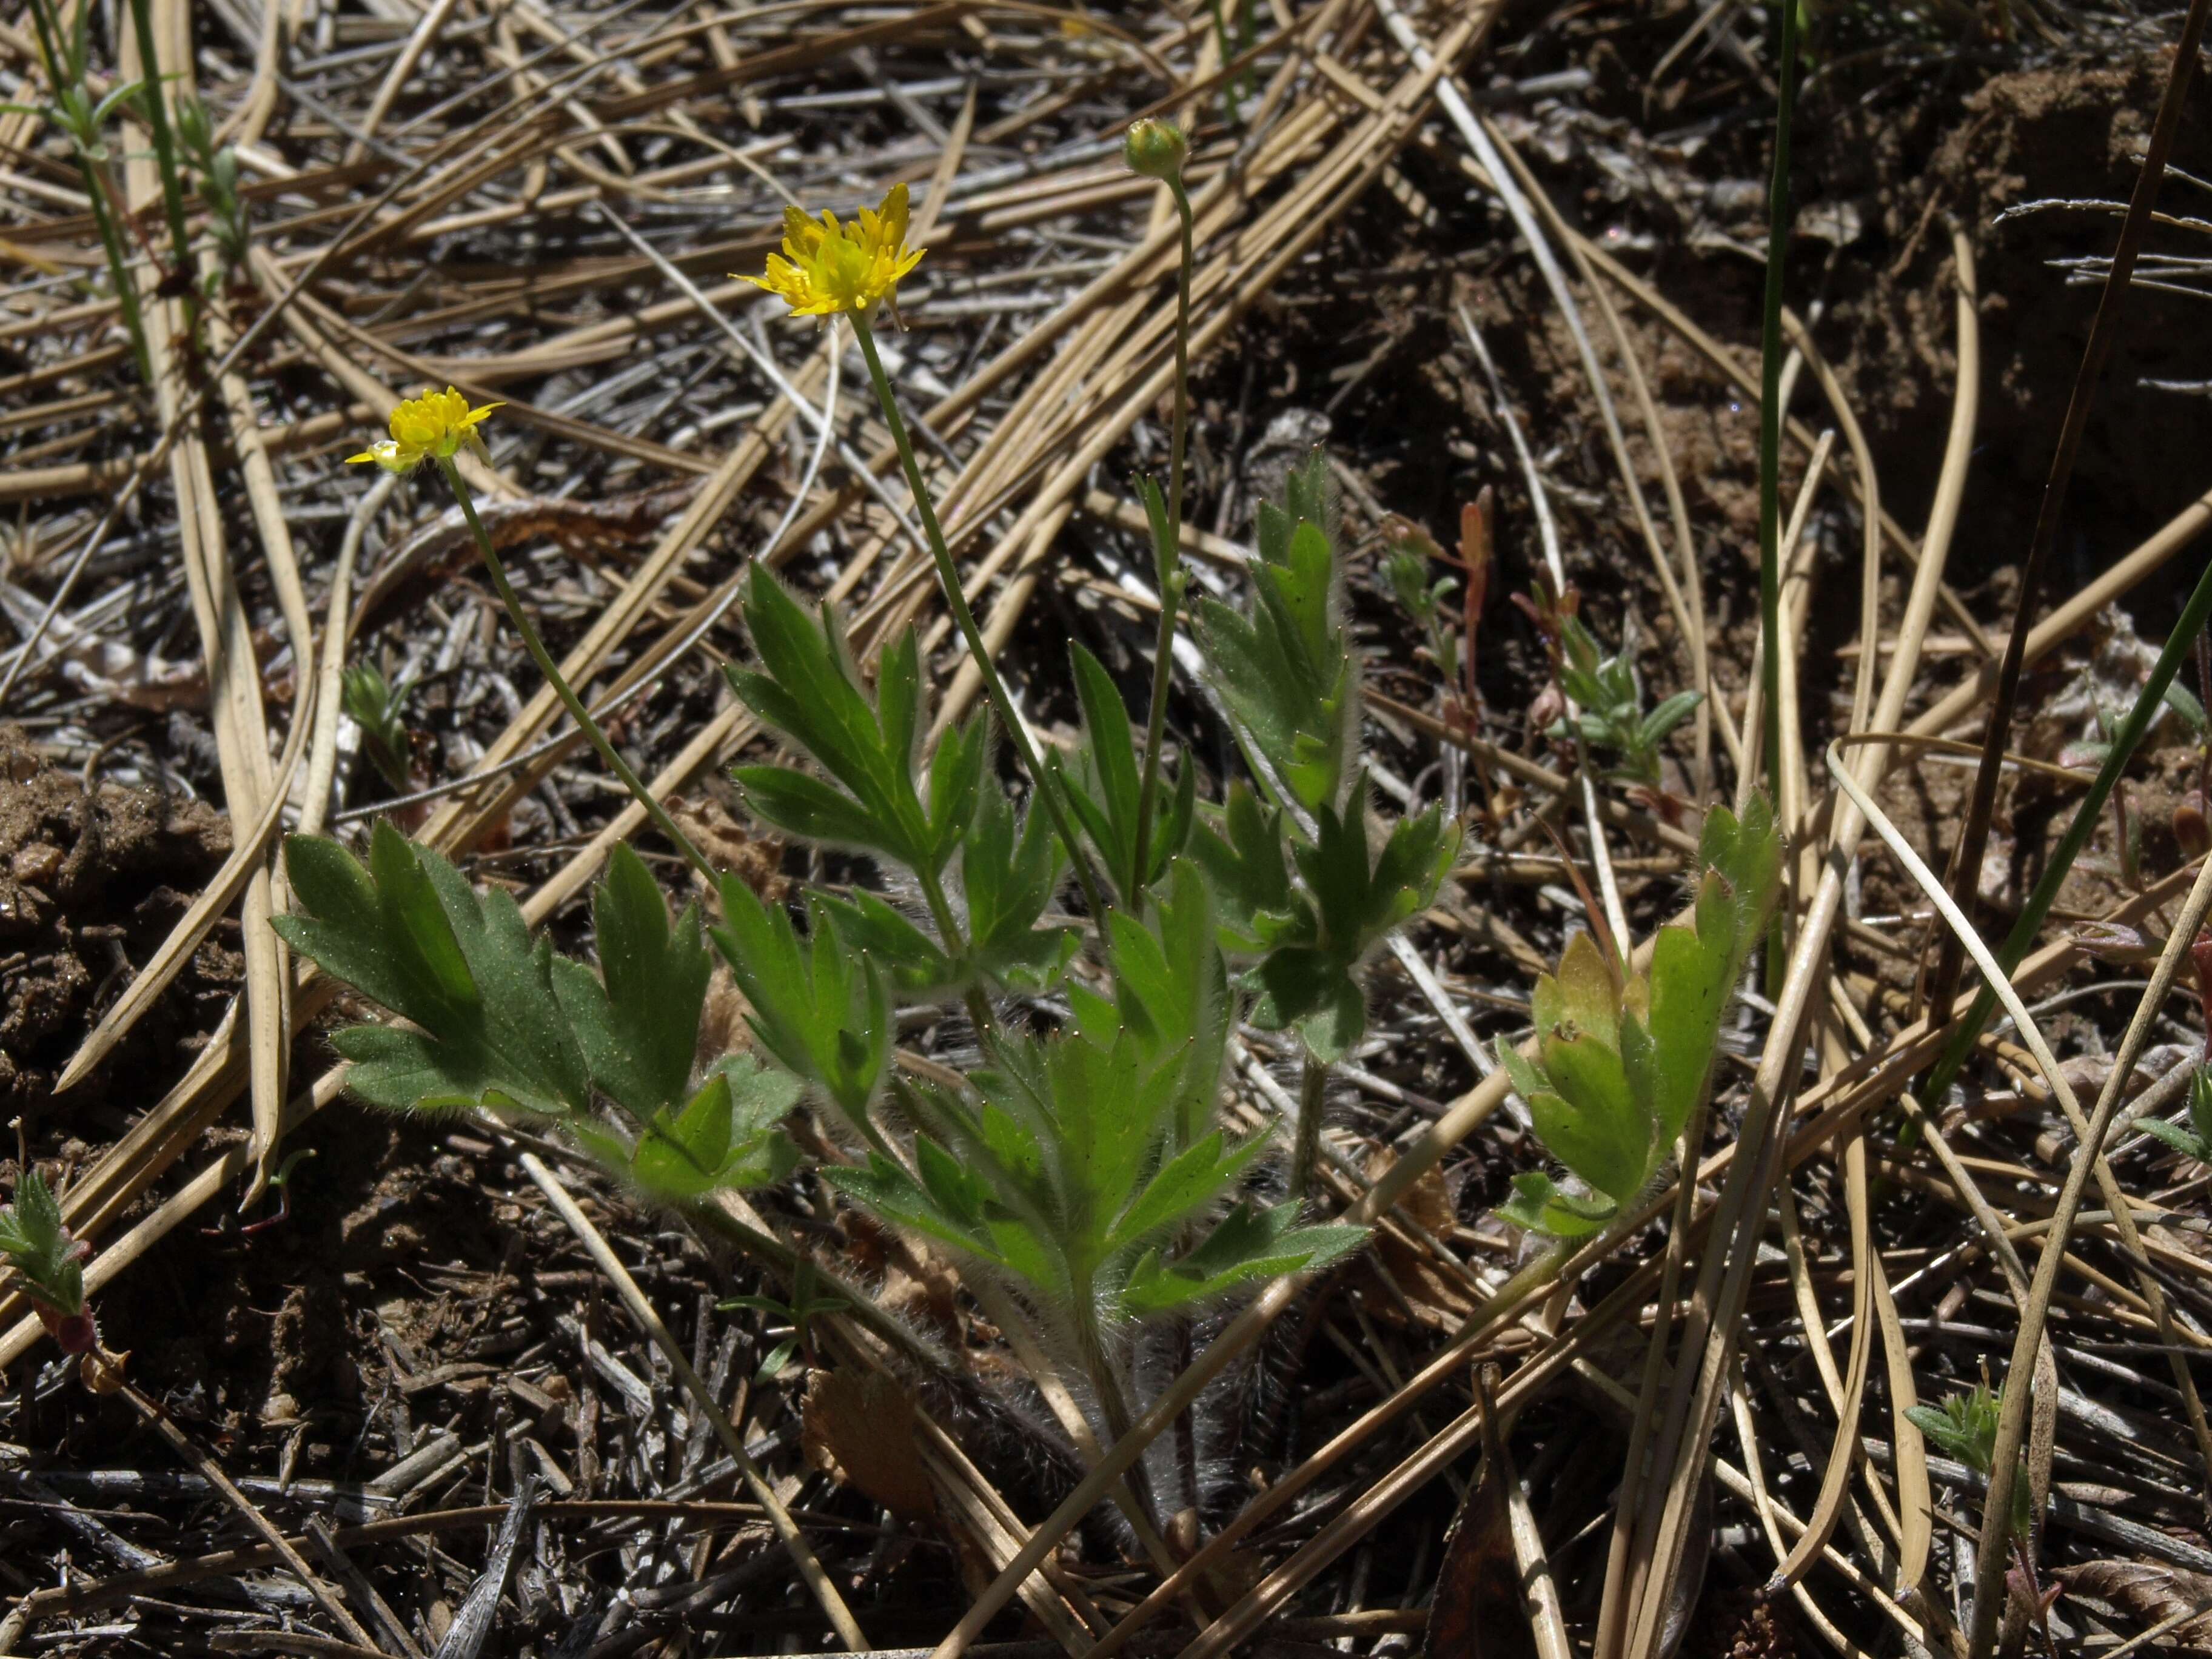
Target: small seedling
{"points": [[1611, 719], [371, 704], [1965, 1426], [37, 1245], [803, 1308], [1623, 1062]]}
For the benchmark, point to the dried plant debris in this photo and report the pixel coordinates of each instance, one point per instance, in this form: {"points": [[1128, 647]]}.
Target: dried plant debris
{"points": [[965, 789]]}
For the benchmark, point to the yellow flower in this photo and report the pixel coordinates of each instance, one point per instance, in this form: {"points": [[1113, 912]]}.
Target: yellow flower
{"points": [[828, 267], [436, 425]]}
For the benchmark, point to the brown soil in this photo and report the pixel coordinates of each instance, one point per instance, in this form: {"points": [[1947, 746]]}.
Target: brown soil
{"points": [[91, 884]]}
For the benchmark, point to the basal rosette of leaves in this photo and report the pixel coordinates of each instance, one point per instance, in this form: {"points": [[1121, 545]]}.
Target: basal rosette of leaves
{"points": [[1623, 1060], [498, 1020]]}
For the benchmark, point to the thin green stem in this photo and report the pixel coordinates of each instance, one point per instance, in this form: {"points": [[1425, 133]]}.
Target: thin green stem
{"points": [[1769, 402], [948, 929], [2148, 702], [1313, 1092], [165, 149], [949, 578], [1168, 562], [119, 269], [569, 700]]}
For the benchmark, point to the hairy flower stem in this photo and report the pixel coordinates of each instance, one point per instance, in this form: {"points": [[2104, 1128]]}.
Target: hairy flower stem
{"points": [[1305, 1156], [949, 578], [569, 700], [1169, 562]]}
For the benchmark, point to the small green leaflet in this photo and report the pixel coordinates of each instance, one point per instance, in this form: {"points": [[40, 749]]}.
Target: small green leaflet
{"points": [[726, 1137], [1247, 1245], [818, 1005]]}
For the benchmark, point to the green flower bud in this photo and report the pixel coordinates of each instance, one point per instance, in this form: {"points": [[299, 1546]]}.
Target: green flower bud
{"points": [[1155, 149]]}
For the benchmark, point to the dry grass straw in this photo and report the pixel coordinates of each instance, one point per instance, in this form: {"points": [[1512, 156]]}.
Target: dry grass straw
{"points": [[1339, 107]]}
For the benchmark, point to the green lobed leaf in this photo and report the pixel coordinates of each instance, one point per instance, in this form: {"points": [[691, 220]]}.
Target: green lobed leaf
{"points": [[808, 687], [409, 933]]}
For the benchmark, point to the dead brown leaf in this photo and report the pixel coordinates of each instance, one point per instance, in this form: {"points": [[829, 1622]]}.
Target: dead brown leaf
{"points": [[1478, 1611], [2151, 1593], [858, 1427], [1427, 1204]]}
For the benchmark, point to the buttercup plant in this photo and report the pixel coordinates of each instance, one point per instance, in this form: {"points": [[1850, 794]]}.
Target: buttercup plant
{"points": [[1088, 1167]]}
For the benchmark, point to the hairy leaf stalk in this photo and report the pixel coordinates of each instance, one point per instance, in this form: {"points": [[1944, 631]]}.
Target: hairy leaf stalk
{"points": [[1170, 558]]}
